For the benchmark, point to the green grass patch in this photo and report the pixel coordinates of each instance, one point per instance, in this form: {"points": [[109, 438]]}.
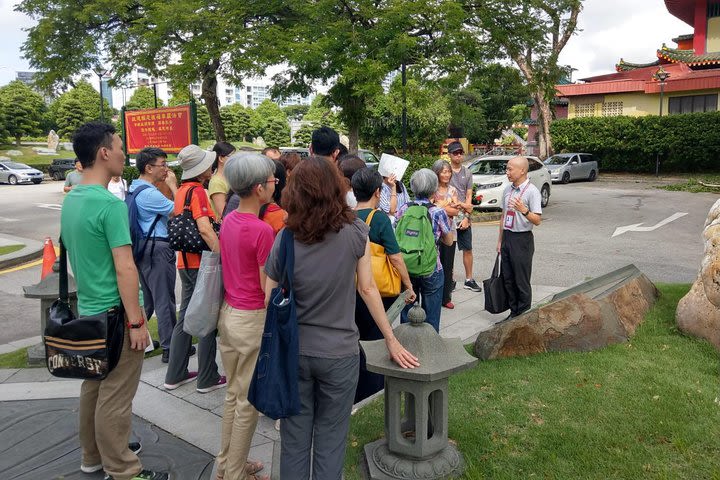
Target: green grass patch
{"points": [[29, 157], [642, 409], [10, 249], [694, 185]]}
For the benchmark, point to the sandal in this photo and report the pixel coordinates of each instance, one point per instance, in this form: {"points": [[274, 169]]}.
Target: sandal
{"points": [[252, 467]]}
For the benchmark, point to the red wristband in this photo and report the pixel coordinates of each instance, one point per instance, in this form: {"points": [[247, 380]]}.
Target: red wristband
{"points": [[136, 325]]}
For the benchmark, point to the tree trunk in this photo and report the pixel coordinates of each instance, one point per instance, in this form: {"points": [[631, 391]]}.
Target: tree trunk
{"points": [[209, 96], [17, 140], [353, 137], [544, 118]]}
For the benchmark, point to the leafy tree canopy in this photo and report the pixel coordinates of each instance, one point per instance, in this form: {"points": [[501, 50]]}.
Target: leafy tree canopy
{"points": [[22, 111], [142, 98]]}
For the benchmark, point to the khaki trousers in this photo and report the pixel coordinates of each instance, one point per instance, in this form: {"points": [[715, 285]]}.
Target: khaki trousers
{"points": [[106, 416], [240, 336]]}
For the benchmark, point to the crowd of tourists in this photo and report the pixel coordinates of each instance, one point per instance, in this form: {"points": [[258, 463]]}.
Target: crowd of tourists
{"points": [[360, 242]]}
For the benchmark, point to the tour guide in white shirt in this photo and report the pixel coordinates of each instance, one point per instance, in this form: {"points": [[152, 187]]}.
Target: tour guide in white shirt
{"points": [[521, 203]]}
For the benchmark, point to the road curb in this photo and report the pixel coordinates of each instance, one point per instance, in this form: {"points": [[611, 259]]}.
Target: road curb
{"points": [[33, 250]]}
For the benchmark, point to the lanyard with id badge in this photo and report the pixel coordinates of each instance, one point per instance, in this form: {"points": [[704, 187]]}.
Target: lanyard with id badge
{"points": [[510, 213]]}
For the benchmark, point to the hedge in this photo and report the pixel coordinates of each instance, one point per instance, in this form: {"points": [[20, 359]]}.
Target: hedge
{"points": [[686, 143]]}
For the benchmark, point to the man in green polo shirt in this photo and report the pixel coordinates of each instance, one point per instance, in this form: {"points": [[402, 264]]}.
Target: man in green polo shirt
{"points": [[95, 231]]}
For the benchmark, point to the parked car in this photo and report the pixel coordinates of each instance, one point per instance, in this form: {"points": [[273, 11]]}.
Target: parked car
{"points": [[490, 180], [303, 152], [565, 167], [14, 173], [60, 167]]}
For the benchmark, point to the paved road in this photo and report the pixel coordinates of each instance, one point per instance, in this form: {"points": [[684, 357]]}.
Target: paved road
{"points": [[573, 244]]}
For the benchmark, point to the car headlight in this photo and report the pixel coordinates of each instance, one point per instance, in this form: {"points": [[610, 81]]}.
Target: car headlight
{"points": [[489, 185]]}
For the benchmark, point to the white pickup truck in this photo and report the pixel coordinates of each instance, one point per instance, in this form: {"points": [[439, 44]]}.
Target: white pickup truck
{"points": [[565, 167]]}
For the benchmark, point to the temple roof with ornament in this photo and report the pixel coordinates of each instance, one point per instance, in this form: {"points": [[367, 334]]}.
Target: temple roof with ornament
{"points": [[688, 57]]}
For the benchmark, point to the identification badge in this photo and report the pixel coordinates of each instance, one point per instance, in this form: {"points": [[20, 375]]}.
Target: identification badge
{"points": [[509, 219]]}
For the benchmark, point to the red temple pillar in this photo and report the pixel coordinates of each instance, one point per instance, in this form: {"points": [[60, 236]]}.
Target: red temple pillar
{"points": [[700, 38]]}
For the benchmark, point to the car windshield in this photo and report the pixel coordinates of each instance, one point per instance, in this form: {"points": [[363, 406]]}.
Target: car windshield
{"points": [[488, 167], [557, 160], [17, 166]]}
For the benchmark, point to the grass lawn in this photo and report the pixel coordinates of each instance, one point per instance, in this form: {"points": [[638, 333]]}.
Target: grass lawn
{"points": [[29, 157], [644, 409], [10, 248], [692, 184]]}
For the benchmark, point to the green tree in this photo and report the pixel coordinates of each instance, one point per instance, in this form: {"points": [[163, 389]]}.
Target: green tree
{"points": [[364, 41], [321, 114], [22, 110], [277, 132], [236, 120], [142, 98], [428, 116], [184, 41], [70, 115], [89, 100], [204, 125], [303, 136], [532, 34], [295, 112]]}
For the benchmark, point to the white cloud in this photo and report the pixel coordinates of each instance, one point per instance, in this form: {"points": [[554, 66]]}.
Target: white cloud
{"points": [[13, 36]]}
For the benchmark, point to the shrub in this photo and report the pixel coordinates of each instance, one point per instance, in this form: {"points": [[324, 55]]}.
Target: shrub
{"points": [[686, 143]]}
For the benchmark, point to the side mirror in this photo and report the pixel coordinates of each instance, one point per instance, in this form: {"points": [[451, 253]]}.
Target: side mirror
{"points": [[574, 162]]}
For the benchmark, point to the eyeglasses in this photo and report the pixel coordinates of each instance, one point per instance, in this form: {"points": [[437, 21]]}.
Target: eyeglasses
{"points": [[458, 152], [161, 165], [274, 180]]}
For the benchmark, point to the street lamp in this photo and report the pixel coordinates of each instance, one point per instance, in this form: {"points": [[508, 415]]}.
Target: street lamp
{"points": [[101, 71], [661, 75]]}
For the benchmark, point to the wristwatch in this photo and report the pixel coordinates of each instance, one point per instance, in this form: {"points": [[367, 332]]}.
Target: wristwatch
{"points": [[526, 213], [136, 325]]}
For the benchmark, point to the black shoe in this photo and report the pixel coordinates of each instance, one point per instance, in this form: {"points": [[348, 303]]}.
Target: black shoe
{"points": [[509, 317], [472, 285], [146, 475], [193, 350], [156, 344], [135, 447], [165, 355], [454, 286]]}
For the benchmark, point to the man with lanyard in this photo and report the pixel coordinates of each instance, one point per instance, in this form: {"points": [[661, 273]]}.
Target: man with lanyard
{"points": [[462, 180], [521, 203]]}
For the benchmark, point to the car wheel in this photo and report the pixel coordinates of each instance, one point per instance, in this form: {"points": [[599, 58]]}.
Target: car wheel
{"points": [[56, 176], [566, 177], [12, 180], [544, 195], [37, 181], [592, 176]]}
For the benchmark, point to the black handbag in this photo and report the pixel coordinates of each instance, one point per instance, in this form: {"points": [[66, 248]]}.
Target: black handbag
{"points": [[183, 232], [86, 347], [274, 387], [495, 296]]}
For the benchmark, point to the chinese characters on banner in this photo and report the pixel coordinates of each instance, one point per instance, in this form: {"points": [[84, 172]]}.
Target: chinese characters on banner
{"points": [[167, 128]]}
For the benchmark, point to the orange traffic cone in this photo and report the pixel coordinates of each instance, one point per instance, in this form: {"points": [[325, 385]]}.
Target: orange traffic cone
{"points": [[48, 258]]}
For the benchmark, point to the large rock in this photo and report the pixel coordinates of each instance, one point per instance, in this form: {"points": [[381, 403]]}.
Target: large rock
{"points": [[698, 312], [594, 314]]}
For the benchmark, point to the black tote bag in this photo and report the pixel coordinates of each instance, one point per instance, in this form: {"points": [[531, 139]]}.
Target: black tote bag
{"points": [[495, 297], [86, 347]]}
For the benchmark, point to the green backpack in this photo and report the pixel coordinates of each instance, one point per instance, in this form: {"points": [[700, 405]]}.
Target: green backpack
{"points": [[415, 237]]}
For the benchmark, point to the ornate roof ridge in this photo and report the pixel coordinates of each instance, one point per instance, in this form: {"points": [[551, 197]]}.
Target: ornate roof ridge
{"points": [[680, 38], [688, 57], [623, 66]]}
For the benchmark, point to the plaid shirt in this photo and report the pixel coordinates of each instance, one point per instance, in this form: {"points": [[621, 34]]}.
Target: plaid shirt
{"points": [[441, 223]]}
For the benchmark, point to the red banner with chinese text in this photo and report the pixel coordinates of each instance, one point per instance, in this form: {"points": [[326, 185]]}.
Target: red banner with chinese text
{"points": [[166, 128]]}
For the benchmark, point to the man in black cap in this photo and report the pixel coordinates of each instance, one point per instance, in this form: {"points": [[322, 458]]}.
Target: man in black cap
{"points": [[463, 182]]}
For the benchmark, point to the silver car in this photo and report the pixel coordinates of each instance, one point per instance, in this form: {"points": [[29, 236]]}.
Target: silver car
{"points": [[14, 173], [490, 180]]}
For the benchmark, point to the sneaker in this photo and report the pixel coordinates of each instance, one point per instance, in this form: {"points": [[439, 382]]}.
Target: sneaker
{"points": [[134, 447], [222, 381], [449, 305], [472, 285], [146, 475], [172, 386]]}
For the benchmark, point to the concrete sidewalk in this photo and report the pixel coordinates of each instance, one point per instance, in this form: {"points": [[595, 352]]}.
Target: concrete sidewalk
{"points": [[32, 251], [196, 418]]}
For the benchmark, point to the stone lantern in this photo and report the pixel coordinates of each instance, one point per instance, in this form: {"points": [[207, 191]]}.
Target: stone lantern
{"points": [[48, 290], [416, 404]]}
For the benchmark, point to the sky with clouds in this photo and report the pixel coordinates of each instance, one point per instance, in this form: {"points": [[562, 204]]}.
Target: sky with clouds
{"points": [[609, 30]]}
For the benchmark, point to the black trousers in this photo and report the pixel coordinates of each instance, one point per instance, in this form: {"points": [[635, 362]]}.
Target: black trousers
{"points": [[447, 260], [516, 256]]}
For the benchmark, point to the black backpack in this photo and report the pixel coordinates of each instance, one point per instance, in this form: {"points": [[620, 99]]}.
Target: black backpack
{"points": [[139, 241]]}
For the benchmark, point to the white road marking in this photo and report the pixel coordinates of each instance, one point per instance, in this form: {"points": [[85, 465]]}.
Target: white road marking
{"points": [[51, 206], [6, 219], [637, 228]]}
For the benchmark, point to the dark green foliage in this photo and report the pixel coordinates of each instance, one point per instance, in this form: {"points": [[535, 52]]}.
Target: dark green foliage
{"points": [[236, 120], [205, 130], [304, 135], [277, 133], [70, 115], [22, 111], [76, 106], [686, 143], [143, 98]]}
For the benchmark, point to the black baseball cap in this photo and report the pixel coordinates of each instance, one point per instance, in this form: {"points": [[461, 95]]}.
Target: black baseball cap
{"points": [[454, 147]]}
